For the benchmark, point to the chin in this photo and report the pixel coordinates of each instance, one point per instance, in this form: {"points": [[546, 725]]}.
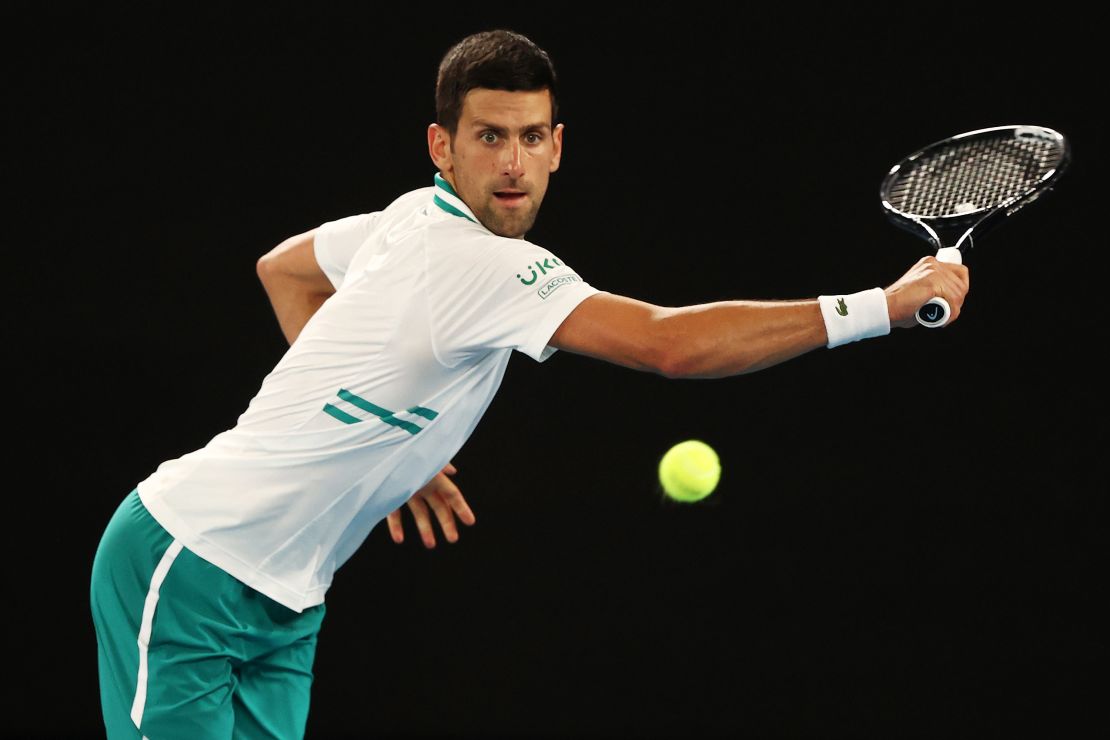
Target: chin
{"points": [[514, 231]]}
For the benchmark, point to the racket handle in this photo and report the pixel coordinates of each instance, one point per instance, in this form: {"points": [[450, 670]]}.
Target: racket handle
{"points": [[936, 312]]}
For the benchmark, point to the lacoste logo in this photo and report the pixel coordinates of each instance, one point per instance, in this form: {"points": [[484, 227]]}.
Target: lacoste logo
{"points": [[556, 283], [841, 307]]}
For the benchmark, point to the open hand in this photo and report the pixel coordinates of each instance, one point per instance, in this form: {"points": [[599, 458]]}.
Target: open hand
{"points": [[445, 499]]}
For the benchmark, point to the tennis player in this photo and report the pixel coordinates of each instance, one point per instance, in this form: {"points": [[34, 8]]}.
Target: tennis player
{"points": [[208, 585]]}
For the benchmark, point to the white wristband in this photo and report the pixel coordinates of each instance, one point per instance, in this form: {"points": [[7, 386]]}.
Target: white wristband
{"points": [[849, 318]]}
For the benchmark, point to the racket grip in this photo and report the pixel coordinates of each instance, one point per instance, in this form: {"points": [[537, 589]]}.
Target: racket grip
{"points": [[936, 311]]}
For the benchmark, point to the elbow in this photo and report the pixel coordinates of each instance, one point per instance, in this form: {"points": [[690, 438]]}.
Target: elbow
{"points": [[661, 349], [673, 355], [669, 351], [264, 267], [671, 363]]}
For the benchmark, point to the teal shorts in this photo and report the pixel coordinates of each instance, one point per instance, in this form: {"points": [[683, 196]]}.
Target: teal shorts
{"points": [[187, 651]]}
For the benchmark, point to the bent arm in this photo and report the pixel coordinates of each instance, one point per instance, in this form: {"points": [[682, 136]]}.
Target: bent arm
{"points": [[294, 282], [712, 340]]}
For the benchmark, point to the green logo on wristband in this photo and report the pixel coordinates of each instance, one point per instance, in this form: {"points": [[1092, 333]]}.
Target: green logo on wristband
{"points": [[841, 307]]}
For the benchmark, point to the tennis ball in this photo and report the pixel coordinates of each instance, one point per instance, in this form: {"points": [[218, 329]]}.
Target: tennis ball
{"points": [[689, 471]]}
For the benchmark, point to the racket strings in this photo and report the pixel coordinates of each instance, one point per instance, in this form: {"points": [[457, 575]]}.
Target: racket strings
{"points": [[972, 175]]}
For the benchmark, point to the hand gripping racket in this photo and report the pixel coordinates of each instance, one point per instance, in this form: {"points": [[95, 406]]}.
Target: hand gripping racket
{"points": [[970, 183]]}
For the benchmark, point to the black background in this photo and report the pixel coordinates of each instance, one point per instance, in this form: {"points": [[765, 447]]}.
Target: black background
{"points": [[905, 539]]}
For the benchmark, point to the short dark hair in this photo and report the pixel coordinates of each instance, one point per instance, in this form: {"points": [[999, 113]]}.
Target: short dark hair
{"points": [[495, 60]]}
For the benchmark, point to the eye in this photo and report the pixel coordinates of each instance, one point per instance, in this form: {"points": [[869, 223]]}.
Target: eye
{"points": [[534, 138], [489, 137]]}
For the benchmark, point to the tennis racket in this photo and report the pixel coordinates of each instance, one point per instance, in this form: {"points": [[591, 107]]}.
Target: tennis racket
{"points": [[968, 184]]}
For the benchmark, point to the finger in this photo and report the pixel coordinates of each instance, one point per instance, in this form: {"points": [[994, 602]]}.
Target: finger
{"points": [[954, 293], [396, 531], [454, 498], [944, 282], [450, 469], [445, 517], [965, 278], [955, 284], [423, 521]]}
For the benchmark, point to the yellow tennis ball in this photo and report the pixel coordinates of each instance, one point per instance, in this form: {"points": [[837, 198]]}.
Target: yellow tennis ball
{"points": [[689, 471]]}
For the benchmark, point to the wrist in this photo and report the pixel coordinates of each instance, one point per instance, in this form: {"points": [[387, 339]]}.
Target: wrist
{"points": [[849, 318]]}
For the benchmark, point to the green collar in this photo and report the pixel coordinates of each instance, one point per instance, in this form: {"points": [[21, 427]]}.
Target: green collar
{"points": [[446, 198]]}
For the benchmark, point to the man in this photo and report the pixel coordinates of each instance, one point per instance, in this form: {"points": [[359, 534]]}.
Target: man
{"points": [[208, 586]]}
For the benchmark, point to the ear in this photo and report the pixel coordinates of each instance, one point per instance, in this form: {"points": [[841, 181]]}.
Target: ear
{"points": [[439, 148], [557, 145]]}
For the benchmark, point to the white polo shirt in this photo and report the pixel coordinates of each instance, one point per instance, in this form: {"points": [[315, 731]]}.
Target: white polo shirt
{"points": [[382, 387]]}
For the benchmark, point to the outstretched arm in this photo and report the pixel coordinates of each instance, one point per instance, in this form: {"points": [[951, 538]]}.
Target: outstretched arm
{"points": [[732, 337]]}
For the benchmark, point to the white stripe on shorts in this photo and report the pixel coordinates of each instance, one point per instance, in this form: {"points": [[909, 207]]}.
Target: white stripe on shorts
{"points": [[144, 629]]}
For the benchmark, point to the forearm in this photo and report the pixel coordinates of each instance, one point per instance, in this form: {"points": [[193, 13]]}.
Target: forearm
{"points": [[294, 282], [716, 340], [293, 304]]}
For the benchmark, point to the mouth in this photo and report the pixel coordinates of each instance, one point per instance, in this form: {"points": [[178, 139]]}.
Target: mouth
{"points": [[510, 197]]}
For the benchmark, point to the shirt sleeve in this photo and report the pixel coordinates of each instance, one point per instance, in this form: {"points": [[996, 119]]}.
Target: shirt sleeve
{"points": [[336, 242], [499, 293]]}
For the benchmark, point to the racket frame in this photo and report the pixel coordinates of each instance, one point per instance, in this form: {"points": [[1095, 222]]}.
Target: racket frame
{"points": [[956, 230]]}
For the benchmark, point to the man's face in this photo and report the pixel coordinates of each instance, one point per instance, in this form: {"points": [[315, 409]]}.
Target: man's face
{"points": [[501, 156]]}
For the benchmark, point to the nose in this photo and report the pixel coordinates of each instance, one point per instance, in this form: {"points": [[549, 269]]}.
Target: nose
{"points": [[512, 166]]}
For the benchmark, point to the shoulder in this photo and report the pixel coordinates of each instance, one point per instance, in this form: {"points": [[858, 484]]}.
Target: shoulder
{"points": [[455, 238], [411, 199], [400, 206]]}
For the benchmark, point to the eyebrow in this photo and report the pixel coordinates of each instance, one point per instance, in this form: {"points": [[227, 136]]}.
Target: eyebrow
{"points": [[479, 123]]}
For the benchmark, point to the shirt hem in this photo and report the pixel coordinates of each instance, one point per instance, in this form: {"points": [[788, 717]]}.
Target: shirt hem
{"points": [[250, 576]]}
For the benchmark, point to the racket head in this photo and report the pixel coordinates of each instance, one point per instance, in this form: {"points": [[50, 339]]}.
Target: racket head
{"points": [[972, 181]]}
